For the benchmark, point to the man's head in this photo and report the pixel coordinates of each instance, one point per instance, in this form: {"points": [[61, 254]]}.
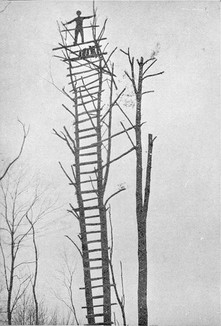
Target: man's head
{"points": [[78, 12]]}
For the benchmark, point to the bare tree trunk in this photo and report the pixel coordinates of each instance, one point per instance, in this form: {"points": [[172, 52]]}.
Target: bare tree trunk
{"points": [[35, 280], [141, 218], [36, 270], [11, 280], [142, 245], [142, 198]]}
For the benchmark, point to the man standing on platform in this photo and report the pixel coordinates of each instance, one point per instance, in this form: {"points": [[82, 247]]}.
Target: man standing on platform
{"points": [[79, 25]]}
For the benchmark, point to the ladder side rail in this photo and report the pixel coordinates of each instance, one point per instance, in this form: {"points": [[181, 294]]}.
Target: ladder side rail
{"points": [[102, 210]]}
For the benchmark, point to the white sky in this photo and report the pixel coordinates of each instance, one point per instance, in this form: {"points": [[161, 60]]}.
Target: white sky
{"points": [[183, 225]]}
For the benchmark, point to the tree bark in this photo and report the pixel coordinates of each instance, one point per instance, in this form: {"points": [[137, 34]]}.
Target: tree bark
{"points": [[11, 280], [141, 218]]}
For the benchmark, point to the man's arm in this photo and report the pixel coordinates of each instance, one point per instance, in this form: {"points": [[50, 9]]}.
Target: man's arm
{"points": [[87, 17], [71, 21]]}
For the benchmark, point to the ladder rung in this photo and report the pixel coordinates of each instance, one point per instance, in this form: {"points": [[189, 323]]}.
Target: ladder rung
{"points": [[103, 324], [102, 286], [76, 80], [88, 199], [95, 315], [92, 224], [97, 297], [86, 129], [87, 163], [88, 208], [86, 181], [88, 112], [93, 241], [79, 72], [88, 192], [86, 154], [97, 286], [88, 136], [94, 250], [93, 100], [87, 172], [88, 146], [89, 88], [96, 278], [84, 120], [98, 305], [86, 95], [83, 64], [84, 88], [87, 57], [91, 268], [88, 232], [95, 259], [89, 94], [93, 216], [91, 145], [86, 85]]}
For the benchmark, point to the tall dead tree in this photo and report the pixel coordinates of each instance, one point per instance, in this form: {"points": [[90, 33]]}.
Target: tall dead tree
{"points": [[142, 193], [91, 94]]}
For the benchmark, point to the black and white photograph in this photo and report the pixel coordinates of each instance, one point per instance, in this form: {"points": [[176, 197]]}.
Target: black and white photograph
{"points": [[110, 163]]}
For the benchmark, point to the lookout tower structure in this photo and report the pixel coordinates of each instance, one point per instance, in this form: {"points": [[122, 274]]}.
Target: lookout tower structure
{"points": [[90, 90]]}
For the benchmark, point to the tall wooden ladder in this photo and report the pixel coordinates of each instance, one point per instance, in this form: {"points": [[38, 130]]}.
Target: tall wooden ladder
{"points": [[87, 69]]}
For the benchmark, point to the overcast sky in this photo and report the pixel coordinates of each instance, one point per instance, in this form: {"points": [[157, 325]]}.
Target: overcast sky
{"points": [[183, 219]]}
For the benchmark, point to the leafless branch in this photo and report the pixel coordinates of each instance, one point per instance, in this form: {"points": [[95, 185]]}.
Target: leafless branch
{"points": [[119, 157], [73, 211], [57, 134], [5, 7], [24, 263], [114, 194], [69, 136], [25, 134], [154, 60], [125, 115], [20, 294], [66, 173], [68, 110], [75, 245], [131, 62], [114, 103], [153, 75], [126, 130]]}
